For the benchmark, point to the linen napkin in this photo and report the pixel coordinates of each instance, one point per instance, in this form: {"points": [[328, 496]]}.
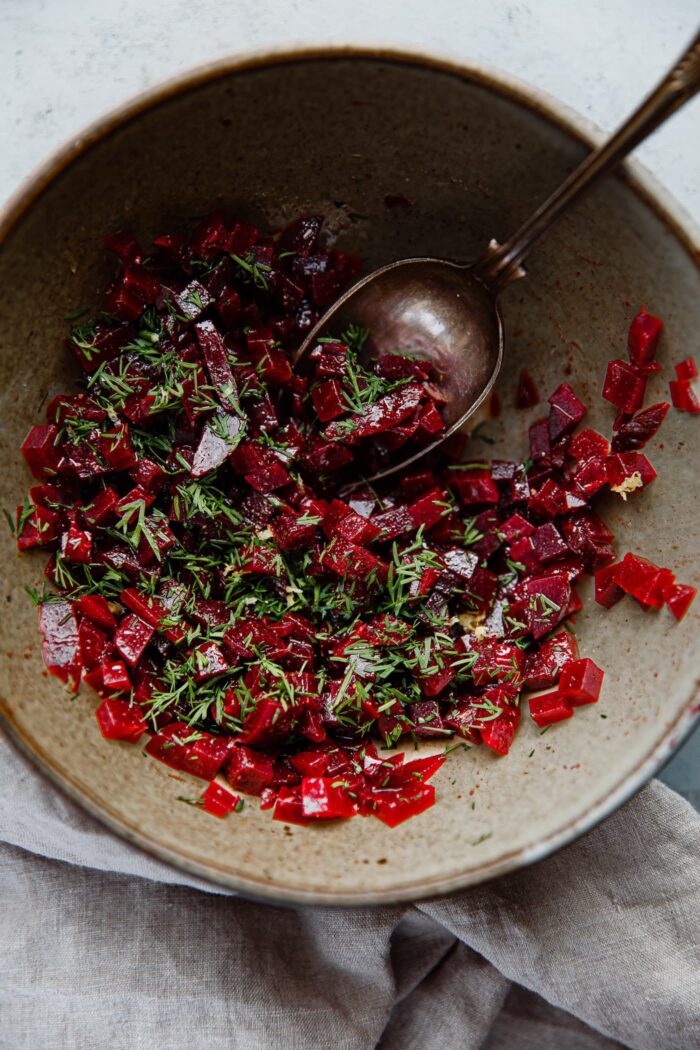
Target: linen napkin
{"points": [[105, 947]]}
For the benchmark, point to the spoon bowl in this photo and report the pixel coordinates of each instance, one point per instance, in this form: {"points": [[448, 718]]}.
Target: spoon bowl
{"points": [[437, 311]]}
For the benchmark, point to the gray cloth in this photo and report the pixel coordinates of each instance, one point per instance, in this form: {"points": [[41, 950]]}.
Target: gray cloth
{"points": [[104, 947]]}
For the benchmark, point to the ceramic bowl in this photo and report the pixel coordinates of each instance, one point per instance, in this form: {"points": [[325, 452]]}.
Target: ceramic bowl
{"points": [[406, 156]]}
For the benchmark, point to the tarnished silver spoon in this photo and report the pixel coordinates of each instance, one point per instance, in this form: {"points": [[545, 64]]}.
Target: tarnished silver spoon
{"points": [[447, 313]]}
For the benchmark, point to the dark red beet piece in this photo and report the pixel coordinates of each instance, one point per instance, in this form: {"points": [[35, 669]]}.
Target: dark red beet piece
{"points": [[566, 411], [634, 433]]}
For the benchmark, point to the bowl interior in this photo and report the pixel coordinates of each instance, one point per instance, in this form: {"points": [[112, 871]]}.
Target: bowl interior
{"points": [[347, 136]]}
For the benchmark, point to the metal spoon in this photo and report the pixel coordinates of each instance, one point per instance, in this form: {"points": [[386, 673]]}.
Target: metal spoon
{"points": [[447, 313]]}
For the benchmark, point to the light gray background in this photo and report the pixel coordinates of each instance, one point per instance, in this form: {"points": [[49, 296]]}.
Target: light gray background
{"points": [[64, 62]]}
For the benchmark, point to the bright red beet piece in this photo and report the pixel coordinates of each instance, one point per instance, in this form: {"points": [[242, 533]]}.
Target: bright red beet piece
{"points": [[96, 608], [498, 733], [627, 471], [588, 444], [191, 751], [643, 337], [395, 806], [642, 579], [115, 677], [581, 682], [678, 598], [683, 396], [93, 644], [323, 798], [607, 590], [218, 800], [39, 528], [132, 637], [548, 600], [248, 770], [624, 386], [526, 395], [686, 369], [76, 545], [120, 720], [549, 708]]}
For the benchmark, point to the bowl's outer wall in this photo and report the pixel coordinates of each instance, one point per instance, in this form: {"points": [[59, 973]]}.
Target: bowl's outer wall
{"points": [[336, 136]]}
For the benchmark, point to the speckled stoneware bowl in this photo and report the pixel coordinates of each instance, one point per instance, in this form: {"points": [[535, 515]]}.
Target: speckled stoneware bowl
{"points": [[336, 133]]}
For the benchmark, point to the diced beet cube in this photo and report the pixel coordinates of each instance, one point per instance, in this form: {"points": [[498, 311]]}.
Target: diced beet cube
{"points": [[132, 637], [464, 719], [581, 682], [526, 395], [76, 545], [607, 590], [548, 543], [643, 337], [116, 447], [40, 527], [218, 800], [190, 750], [624, 386], [323, 798], [60, 648], [498, 733], [515, 527], [288, 807], [124, 245], [154, 612], [92, 643], [549, 708], [437, 679], [588, 444], [123, 302], [148, 475], [294, 531], [248, 770], [120, 720], [522, 552], [301, 235], [101, 509], [539, 440], [311, 763], [642, 579], [40, 451], [426, 720], [394, 806], [678, 597], [141, 281], [566, 411], [347, 559], [548, 600], [269, 477], [686, 369], [97, 609], [340, 520], [115, 677], [552, 500], [393, 523], [627, 471], [328, 400], [209, 662], [428, 510], [543, 668], [210, 236], [326, 458], [634, 433], [683, 396], [474, 486], [192, 301], [590, 477], [330, 359]]}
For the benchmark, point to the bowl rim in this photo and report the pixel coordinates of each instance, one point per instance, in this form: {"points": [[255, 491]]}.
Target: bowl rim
{"points": [[640, 181]]}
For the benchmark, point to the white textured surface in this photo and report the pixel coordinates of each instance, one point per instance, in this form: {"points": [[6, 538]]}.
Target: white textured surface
{"points": [[65, 62]]}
